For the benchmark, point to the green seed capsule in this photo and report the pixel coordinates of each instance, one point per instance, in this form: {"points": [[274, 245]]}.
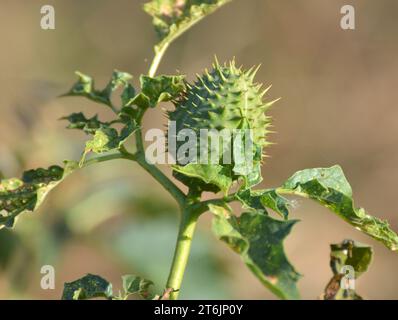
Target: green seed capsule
{"points": [[224, 98]]}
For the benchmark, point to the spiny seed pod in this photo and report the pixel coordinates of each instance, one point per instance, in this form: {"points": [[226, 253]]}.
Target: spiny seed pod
{"points": [[224, 98]]}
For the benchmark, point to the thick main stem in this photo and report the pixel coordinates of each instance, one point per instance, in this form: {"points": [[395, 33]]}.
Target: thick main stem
{"points": [[189, 216], [181, 254]]}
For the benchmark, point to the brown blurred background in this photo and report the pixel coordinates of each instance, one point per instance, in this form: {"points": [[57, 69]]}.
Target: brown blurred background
{"points": [[339, 106]]}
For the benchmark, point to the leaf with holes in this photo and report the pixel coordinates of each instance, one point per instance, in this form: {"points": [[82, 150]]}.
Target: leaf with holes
{"points": [[89, 287], [330, 188], [87, 125], [85, 87], [25, 195], [258, 239]]}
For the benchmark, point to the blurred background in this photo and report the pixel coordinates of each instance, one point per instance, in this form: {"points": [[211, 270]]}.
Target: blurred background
{"points": [[339, 106]]}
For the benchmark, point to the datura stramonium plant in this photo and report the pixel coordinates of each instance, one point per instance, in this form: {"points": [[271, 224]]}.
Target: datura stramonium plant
{"points": [[226, 99]]}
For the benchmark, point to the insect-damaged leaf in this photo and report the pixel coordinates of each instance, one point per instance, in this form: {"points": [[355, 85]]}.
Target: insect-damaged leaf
{"points": [[85, 87], [349, 253], [173, 17], [89, 287], [93, 286], [107, 139], [258, 239], [260, 200], [88, 125], [162, 88], [330, 188], [25, 195], [157, 89]]}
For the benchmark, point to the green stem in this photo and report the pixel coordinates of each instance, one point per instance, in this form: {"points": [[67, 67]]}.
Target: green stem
{"points": [[181, 254], [160, 50], [154, 171], [104, 158]]}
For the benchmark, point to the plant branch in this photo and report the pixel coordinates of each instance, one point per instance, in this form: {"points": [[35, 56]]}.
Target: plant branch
{"points": [[156, 173], [162, 47], [107, 157], [182, 250], [160, 50]]}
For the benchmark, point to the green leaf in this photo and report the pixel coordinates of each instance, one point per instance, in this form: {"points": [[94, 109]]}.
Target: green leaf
{"points": [[108, 139], [127, 94], [347, 253], [332, 178], [85, 87], [158, 89], [250, 201], [254, 177], [89, 287], [105, 137], [119, 79], [162, 88], [136, 285], [274, 201], [25, 195], [80, 122], [330, 188], [260, 200], [104, 140], [209, 177], [258, 239], [171, 18]]}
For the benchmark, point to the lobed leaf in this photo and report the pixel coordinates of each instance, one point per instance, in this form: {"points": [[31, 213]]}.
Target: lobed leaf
{"points": [[153, 91], [85, 87], [258, 239], [157, 89], [107, 139], [89, 287], [25, 195], [171, 18], [88, 125], [329, 187]]}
